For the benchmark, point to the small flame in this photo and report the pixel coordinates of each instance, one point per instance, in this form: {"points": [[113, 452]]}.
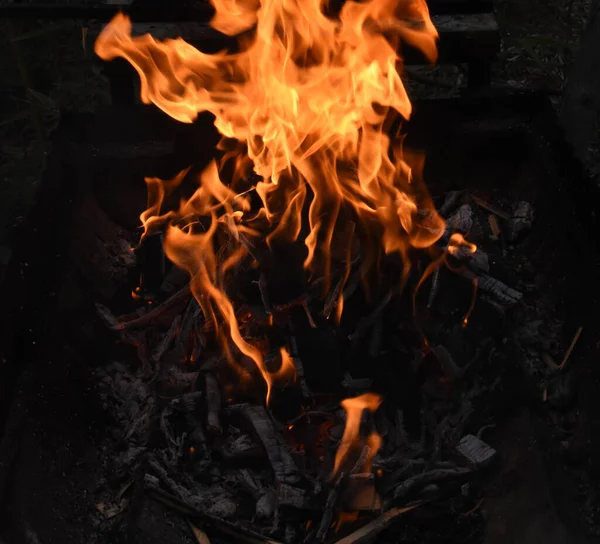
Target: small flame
{"points": [[458, 241], [351, 440]]}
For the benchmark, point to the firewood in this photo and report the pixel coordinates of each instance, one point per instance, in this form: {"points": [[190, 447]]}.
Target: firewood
{"points": [[282, 463], [475, 451], [166, 340], [460, 221], [332, 499], [332, 298], [477, 260], [502, 292], [571, 348], [490, 208], [421, 480], [450, 202], [213, 404]]}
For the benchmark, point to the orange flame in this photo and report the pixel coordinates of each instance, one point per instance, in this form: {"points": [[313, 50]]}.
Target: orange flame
{"points": [[305, 99], [457, 241], [354, 408]]}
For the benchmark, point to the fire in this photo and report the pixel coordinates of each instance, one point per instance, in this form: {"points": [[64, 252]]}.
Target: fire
{"points": [[303, 105], [351, 439]]}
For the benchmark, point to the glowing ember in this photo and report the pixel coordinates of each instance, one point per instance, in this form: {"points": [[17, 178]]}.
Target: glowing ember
{"points": [[351, 440], [303, 105]]}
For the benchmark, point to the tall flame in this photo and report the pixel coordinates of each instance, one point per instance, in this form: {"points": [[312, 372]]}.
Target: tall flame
{"points": [[303, 104]]}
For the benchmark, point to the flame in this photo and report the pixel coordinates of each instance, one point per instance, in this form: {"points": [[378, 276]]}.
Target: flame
{"points": [[458, 241], [303, 104], [287, 370], [351, 439]]}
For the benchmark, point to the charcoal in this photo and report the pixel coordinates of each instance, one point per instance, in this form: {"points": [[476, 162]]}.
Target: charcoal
{"points": [[475, 451], [277, 451], [294, 497], [521, 220], [450, 202], [266, 505], [460, 221], [477, 261], [213, 404]]}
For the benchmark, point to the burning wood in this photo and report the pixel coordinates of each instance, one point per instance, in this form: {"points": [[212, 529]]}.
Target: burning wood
{"points": [[306, 166]]}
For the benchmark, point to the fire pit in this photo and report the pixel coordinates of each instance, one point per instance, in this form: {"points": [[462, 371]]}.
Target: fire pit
{"points": [[307, 385]]}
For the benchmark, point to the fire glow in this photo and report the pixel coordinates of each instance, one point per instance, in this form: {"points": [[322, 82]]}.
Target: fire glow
{"points": [[302, 108]]}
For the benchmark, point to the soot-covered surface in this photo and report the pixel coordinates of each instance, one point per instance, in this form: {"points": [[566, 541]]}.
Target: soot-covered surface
{"points": [[60, 438]]}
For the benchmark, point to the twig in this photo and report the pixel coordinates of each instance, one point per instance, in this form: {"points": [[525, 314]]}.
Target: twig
{"points": [[166, 340], [309, 316], [329, 506], [571, 348], [494, 226], [368, 532], [333, 298]]}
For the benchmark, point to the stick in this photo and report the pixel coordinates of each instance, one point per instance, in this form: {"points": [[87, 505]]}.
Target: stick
{"points": [[490, 208], [369, 531], [309, 316], [571, 348], [333, 297], [166, 340], [329, 505]]}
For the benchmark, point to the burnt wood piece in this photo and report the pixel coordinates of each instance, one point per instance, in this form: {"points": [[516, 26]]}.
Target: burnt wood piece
{"points": [[277, 451], [475, 451], [471, 38]]}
